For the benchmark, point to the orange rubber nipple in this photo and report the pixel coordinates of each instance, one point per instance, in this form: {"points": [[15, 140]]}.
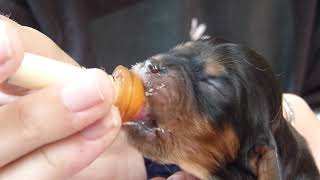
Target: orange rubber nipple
{"points": [[129, 92]]}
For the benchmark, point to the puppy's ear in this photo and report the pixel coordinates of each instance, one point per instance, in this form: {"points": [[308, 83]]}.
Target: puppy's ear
{"points": [[264, 162], [197, 31]]}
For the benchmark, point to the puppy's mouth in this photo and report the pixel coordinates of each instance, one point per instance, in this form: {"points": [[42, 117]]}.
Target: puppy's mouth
{"points": [[145, 126], [147, 122], [143, 121]]}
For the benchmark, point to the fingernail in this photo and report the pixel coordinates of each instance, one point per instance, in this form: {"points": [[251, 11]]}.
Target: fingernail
{"points": [[102, 127], [176, 177], [5, 46], [181, 176], [86, 91]]}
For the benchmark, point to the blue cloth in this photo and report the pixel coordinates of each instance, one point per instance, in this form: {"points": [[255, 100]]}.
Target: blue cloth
{"points": [[159, 170]]}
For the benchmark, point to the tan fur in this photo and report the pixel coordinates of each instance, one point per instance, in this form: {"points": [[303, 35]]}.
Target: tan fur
{"points": [[213, 68], [211, 152]]}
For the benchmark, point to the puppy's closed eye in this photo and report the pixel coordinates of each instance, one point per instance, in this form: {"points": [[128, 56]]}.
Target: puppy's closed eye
{"points": [[218, 96], [214, 82]]}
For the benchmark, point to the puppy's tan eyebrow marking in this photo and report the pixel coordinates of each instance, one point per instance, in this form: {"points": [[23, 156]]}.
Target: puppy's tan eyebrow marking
{"points": [[213, 68]]}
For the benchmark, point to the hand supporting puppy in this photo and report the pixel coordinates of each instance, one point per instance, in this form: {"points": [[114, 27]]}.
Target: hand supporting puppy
{"points": [[55, 132]]}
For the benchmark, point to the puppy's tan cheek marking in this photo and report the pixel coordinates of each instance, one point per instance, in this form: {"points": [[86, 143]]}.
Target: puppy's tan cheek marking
{"points": [[195, 170], [231, 144], [209, 152]]}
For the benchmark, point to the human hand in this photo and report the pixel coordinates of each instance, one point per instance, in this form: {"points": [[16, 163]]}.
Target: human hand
{"points": [[55, 132], [306, 123]]}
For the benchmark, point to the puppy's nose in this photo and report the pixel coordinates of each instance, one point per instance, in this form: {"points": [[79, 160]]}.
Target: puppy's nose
{"points": [[152, 67]]}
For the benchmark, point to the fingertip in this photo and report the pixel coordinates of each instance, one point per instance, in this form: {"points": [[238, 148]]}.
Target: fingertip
{"points": [[112, 126], [11, 49], [6, 98], [158, 178], [109, 125], [106, 84], [116, 116], [181, 175]]}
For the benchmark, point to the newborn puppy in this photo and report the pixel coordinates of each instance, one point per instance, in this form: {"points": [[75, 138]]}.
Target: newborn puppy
{"points": [[215, 109]]}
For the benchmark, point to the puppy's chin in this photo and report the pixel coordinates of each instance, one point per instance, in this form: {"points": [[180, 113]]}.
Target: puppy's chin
{"points": [[149, 131]]}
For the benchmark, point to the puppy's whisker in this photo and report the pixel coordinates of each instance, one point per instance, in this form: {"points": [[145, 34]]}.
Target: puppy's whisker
{"points": [[256, 67]]}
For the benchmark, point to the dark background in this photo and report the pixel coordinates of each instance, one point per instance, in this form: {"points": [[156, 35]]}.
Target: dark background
{"points": [[105, 33], [145, 28]]}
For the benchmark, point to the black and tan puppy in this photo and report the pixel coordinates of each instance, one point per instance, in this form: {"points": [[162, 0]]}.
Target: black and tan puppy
{"points": [[215, 109]]}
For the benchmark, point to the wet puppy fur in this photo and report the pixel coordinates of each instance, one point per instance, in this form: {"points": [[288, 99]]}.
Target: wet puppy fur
{"points": [[215, 109]]}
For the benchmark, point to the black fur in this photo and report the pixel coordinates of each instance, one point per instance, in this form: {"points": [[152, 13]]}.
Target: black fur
{"points": [[241, 91]]}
